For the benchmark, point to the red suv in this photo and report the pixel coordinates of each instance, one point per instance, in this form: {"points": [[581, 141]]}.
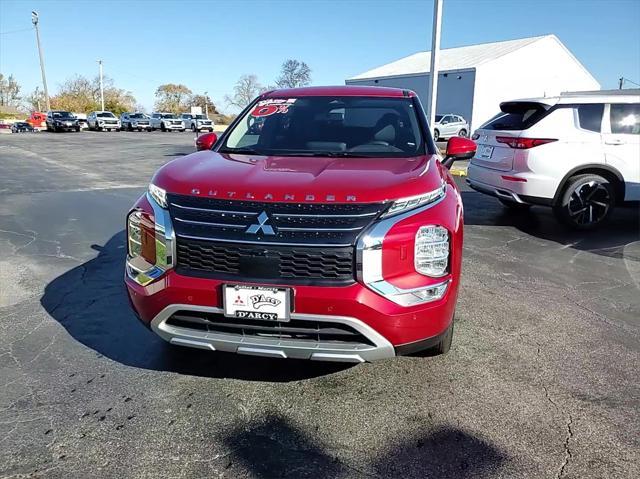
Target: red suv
{"points": [[321, 225]]}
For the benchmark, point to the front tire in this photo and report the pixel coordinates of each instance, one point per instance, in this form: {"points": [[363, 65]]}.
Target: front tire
{"points": [[586, 202], [193, 128], [462, 133], [436, 135], [162, 127]]}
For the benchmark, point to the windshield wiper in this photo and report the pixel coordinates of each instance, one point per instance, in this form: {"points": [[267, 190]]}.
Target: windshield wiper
{"points": [[325, 154], [241, 151]]}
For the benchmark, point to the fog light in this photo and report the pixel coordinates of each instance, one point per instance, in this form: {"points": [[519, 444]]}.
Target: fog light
{"points": [[431, 255]]}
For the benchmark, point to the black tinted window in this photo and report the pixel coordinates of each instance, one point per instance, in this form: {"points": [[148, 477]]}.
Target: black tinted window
{"points": [[625, 118], [590, 117], [516, 116]]}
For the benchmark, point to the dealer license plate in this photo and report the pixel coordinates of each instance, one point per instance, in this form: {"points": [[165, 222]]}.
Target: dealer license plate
{"points": [[257, 302], [485, 151]]}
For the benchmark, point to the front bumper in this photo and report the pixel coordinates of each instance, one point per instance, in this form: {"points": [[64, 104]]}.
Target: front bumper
{"points": [[386, 327], [174, 127]]}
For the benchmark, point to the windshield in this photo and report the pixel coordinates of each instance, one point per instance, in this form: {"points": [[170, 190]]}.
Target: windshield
{"points": [[328, 126], [438, 118], [201, 117], [105, 114], [169, 115], [137, 115], [62, 114]]}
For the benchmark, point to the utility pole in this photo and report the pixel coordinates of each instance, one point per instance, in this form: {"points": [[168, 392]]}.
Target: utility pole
{"points": [[435, 58], [38, 98], [620, 82], [34, 20], [206, 105], [101, 86]]}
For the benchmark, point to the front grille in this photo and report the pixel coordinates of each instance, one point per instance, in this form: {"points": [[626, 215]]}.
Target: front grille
{"points": [[266, 264], [111, 122], [306, 224], [292, 243], [294, 330]]}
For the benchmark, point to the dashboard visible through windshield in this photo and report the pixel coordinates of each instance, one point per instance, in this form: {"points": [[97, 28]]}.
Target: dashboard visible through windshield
{"points": [[328, 126]]}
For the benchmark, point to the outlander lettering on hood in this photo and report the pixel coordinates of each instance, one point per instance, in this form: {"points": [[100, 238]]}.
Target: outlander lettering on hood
{"points": [[322, 225]]}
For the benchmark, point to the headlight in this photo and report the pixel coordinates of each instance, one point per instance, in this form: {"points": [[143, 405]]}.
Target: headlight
{"points": [[141, 238], [411, 202], [431, 254], [101, 122], [158, 194]]}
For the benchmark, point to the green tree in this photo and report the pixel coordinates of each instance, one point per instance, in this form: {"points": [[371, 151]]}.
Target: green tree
{"points": [[171, 97], [294, 74], [9, 91]]}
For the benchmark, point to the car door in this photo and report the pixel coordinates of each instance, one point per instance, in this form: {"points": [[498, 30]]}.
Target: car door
{"points": [[621, 137], [448, 128]]}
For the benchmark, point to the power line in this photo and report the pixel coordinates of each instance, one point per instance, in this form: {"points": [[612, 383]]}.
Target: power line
{"points": [[16, 31], [623, 80]]}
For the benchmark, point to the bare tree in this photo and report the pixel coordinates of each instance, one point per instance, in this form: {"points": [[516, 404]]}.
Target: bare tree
{"points": [[244, 91], [9, 91], [294, 74]]}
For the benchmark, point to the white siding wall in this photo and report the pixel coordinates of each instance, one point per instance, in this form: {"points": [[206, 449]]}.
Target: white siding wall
{"points": [[543, 68]]}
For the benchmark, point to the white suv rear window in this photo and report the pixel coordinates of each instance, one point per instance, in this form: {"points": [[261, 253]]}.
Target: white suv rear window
{"points": [[516, 115]]}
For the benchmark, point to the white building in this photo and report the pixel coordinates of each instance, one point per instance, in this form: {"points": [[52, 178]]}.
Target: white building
{"points": [[473, 80]]}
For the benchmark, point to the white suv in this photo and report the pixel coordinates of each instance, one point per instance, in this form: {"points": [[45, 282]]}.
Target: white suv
{"points": [[447, 126], [578, 153], [166, 122], [196, 122]]}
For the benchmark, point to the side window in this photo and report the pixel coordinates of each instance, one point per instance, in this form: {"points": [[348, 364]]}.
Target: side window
{"points": [[446, 119], [590, 116], [625, 118]]}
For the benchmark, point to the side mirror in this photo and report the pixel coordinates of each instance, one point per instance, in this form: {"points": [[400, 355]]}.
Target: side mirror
{"points": [[206, 141], [459, 148]]}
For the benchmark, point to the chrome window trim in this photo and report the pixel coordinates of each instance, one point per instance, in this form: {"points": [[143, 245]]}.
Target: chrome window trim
{"points": [[273, 347]]}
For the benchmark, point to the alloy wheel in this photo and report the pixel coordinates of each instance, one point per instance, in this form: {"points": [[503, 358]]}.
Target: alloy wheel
{"points": [[589, 203]]}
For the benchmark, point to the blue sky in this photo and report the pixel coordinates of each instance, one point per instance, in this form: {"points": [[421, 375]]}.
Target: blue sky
{"points": [[207, 45]]}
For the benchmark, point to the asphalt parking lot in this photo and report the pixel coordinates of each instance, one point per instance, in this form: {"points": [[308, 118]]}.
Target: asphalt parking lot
{"points": [[542, 380]]}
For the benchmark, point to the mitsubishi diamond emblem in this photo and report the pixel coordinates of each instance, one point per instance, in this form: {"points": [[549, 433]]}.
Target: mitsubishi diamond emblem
{"points": [[261, 225]]}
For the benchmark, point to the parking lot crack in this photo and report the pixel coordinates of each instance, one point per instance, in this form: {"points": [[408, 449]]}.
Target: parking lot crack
{"points": [[567, 450]]}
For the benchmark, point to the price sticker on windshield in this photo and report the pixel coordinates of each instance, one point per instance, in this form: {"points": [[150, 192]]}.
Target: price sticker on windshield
{"points": [[272, 106]]}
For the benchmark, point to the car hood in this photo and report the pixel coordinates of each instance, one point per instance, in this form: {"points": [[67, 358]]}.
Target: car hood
{"points": [[299, 179]]}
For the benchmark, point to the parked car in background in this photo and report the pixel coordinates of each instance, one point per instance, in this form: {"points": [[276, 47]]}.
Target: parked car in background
{"points": [[449, 125], [135, 121], [60, 120], [196, 122], [271, 244], [37, 119], [82, 120], [166, 122], [578, 153], [103, 120], [22, 127]]}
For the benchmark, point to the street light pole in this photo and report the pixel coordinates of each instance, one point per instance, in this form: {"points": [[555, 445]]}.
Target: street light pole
{"points": [[34, 20], [435, 58], [101, 86], [206, 105]]}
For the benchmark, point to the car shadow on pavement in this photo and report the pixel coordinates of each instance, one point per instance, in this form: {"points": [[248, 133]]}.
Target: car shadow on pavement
{"points": [[274, 447], [609, 240], [90, 302]]}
